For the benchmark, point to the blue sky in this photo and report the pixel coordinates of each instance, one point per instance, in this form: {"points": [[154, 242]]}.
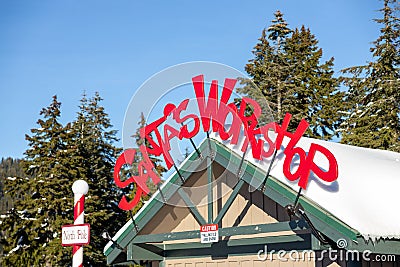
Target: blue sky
{"points": [[64, 48]]}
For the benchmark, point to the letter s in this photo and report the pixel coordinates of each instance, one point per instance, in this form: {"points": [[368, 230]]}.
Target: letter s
{"points": [[126, 158]]}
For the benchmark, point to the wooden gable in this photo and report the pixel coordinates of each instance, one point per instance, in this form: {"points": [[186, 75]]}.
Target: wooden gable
{"points": [[220, 188]]}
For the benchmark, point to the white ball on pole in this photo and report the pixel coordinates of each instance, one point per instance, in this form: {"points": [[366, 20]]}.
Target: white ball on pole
{"points": [[80, 187]]}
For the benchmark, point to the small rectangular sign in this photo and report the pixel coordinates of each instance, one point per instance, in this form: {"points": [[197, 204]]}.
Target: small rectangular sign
{"points": [[209, 233], [75, 234]]}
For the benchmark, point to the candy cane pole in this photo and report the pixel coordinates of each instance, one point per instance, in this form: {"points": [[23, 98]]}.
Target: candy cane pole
{"points": [[80, 189]]}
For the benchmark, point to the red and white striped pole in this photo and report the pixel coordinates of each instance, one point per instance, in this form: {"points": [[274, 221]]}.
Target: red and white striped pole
{"points": [[80, 189]]}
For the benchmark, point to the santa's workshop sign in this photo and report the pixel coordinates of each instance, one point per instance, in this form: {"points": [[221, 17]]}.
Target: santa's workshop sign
{"points": [[214, 111]]}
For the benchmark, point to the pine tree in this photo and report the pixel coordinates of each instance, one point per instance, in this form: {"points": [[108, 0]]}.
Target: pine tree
{"points": [[286, 68], [314, 93], [57, 156], [93, 154], [33, 237], [140, 141], [373, 115], [268, 69], [9, 169]]}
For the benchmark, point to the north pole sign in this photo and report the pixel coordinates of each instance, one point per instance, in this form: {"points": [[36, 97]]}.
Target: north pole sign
{"points": [[75, 234]]}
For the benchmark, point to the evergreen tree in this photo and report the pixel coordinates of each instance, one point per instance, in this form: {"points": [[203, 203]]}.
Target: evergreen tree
{"points": [[9, 169], [57, 156], [93, 155], [140, 141], [268, 69], [373, 115], [286, 68], [33, 237], [314, 94]]}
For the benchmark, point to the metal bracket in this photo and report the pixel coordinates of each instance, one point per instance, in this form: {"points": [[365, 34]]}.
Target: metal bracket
{"points": [[262, 186], [134, 222]]}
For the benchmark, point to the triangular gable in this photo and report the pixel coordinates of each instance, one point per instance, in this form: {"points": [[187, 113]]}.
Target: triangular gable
{"points": [[248, 207], [277, 192]]}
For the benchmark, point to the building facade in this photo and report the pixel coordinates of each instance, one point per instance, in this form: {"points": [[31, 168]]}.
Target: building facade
{"points": [[262, 219]]}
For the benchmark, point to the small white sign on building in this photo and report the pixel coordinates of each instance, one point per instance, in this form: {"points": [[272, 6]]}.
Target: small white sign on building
{"points": [[209, 233], [75, 234]]}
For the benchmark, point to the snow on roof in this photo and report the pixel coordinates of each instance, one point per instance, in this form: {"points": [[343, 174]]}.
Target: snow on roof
{"points": [[366, 194]]}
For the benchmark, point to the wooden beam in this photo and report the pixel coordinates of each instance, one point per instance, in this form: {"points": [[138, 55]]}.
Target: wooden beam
{"points": [[229, 201], [210, 199], [191, 206], [228, 231], [114, 254], [140, 252], [237, 247]]}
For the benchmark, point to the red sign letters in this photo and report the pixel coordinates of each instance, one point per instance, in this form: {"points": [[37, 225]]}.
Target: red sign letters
{"points": [[213, 115]]}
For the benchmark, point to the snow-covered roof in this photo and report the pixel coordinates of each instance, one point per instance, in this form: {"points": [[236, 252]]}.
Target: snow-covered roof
{"points": [[366, 194]]}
